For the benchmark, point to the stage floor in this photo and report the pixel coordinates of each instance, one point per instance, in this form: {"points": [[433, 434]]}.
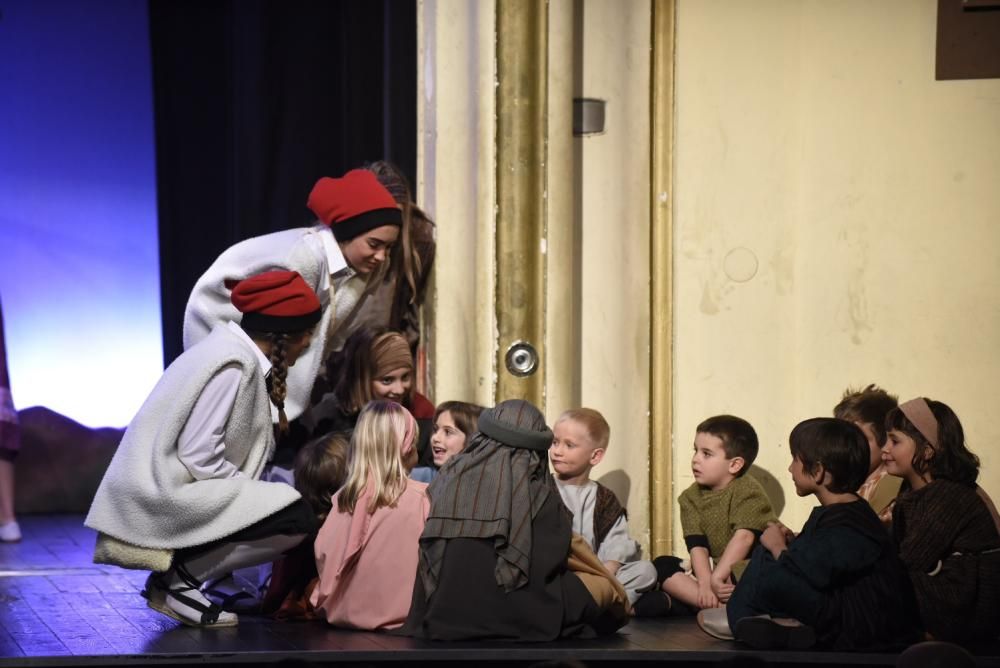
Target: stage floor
{"points": [[57, 608]]}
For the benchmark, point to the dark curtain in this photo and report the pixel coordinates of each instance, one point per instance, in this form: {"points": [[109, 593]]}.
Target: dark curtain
{"points": [[256, 99]]}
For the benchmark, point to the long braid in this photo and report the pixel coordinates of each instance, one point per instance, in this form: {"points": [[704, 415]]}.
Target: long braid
{"points": [[279, 375]]}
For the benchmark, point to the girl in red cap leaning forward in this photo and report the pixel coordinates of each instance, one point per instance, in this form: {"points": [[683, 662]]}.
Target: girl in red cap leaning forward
{"points": [[181, 496], [341, 258]]}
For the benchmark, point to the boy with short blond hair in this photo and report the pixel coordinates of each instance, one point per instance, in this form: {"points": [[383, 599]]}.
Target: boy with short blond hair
{"points": [[581, 437], [723, 513]]}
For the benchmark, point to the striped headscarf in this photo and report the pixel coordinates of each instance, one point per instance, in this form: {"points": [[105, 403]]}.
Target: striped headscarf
{"points": [[492, 489]]}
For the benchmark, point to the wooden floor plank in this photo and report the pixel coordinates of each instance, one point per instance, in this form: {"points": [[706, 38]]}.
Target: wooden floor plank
{"points": [[57, 608]]}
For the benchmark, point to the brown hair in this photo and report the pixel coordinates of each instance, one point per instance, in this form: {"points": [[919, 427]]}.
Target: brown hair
{"points": [[320, 470], [277, 388], [868, 406], [595, 424], [405, 258], [357, 366], [738, 437], [465, 415], [951, 460]]}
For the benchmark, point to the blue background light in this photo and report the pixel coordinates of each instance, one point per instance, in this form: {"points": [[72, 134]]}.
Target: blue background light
{"points": [[79, 271]]}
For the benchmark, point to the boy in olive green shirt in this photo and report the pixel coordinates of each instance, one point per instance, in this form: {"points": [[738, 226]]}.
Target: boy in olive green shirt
{"points": [[723, 514]]}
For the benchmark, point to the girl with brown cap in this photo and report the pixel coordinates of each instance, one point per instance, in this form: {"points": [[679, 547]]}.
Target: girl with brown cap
{"points": [[374, 364], [182, 495]]}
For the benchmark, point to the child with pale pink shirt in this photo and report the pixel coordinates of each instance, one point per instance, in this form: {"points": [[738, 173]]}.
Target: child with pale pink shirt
{"points": [[367, 549]]}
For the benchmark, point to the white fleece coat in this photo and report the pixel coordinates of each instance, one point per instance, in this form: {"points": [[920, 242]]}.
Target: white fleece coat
{"points": [[149, 499], [299, 249]]}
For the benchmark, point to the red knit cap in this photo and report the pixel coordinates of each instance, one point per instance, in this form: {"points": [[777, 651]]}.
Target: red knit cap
{"points": [[353, 204], [276, 301]]}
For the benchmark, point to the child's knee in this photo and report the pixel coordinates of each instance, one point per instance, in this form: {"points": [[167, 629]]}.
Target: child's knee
{"points": [[666, 567]]}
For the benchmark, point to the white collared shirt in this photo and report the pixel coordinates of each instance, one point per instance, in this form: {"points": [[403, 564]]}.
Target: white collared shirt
{"points": [[202, 443]]}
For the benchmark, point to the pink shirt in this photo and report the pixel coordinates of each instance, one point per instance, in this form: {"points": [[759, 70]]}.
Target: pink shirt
{"points": [[367, 563]]}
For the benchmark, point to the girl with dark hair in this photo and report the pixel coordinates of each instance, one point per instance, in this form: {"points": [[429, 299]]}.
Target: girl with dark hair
{"points": [[182, 495], [374, 364], [398, 297], [454, 423], [946, 527]]}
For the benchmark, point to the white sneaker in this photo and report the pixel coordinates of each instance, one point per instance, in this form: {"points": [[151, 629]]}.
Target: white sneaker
{"points": [[10, 532], [714, 622]]}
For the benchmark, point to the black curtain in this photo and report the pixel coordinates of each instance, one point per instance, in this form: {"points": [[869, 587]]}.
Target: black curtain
{"points": [[256, 99]]}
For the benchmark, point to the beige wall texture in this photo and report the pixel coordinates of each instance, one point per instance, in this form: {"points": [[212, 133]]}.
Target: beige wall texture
{"points": [[837, 222], [614, 244], [596, 244]]}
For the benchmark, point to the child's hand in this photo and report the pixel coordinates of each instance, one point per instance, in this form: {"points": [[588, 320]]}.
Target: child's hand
{"points": [[786, 532], [612, 566], [773, 539], [707, 597], [722, 589]]}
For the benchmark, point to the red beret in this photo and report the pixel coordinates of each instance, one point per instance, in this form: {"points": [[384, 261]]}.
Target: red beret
{"points": [[276, 301], [353, 204]]}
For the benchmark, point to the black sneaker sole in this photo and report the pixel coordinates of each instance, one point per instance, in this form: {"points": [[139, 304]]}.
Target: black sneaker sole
{"points": [[765, 633]]}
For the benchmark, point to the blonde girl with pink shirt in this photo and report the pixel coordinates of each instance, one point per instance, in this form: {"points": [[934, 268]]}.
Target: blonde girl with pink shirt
{"points": [[367, 548]]}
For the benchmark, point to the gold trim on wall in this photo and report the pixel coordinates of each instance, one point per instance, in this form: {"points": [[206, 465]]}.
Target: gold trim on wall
{"points": [[521, 107], [661, 497]]}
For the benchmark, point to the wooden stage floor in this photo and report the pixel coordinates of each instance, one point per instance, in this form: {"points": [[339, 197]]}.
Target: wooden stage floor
{"points": [[59, 609]]}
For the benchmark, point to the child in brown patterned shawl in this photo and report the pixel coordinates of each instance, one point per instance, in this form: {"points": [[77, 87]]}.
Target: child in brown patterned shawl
{"points": [[945, 525], [495, 546]]}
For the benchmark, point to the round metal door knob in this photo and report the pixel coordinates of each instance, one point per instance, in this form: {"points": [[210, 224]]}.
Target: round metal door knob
{"points": [[521, 359]]}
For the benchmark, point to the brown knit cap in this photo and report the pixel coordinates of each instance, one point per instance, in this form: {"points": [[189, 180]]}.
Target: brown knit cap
{"points": [[390, 352]]}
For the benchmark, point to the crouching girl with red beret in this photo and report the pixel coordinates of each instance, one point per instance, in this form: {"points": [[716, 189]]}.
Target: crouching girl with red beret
{"points": [[181, 496]]}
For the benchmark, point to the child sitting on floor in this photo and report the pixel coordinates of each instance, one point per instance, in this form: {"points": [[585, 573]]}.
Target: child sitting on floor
{"points": [[580, 440], [366, 550], [454, 422], [722, 514], [946, 527], [868, 408], [840, 577], [320, 470]]}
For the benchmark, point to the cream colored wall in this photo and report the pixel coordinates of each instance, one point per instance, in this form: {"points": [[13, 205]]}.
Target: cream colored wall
{"points": [[814, 145], [597, 321], [455, 183], [614, 245]]}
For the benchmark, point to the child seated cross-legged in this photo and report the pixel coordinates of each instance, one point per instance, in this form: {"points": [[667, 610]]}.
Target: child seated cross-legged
{"points": [[320, 470], [722, 514], [839, 582], [454, 423], [366, 550], [581, 437], [945, 526]]}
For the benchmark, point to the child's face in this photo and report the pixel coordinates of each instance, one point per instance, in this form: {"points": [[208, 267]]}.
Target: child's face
{"points": [[710, 465], [447, 440], [805, 482], [572, 452], [394, 385], [874, 447], [897, 455]]}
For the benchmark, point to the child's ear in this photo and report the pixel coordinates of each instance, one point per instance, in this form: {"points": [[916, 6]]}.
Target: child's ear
{"points": [[736, 465], [596, 456]]}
